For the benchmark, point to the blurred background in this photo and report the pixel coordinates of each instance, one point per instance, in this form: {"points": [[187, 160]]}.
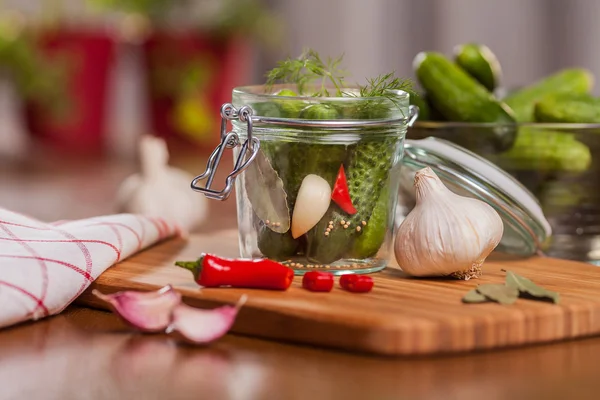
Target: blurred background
{"points": [[82, 80]]}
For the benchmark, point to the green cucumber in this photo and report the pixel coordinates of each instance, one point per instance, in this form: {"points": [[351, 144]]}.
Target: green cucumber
{"points": [[568, 109], [373, 234], [424, 109], [572, 81], [319, 111], [367, 174], [290, 108], [544, 150], [479, 62], [276, 246], [457, 95]]}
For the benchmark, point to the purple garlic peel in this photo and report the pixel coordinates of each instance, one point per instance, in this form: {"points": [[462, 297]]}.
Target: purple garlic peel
{"points": [[199, 326], [145, 311]]}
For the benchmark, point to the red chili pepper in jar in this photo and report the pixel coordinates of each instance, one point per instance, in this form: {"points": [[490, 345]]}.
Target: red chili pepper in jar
{"points": [[340, 193], [356, 283], [316, 281], [212, 271]]}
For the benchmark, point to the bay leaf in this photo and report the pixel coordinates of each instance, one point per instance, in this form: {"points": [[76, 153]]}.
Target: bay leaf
{"points": [[266, 193], [530, 290], [473, 296], [499, 292]]}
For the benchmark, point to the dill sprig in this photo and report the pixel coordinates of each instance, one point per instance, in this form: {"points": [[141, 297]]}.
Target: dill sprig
{"points": [[382, 86], [307, 69]]}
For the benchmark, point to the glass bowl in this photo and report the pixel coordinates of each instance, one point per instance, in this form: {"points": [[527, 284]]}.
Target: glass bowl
{"points": [[558, 163]]}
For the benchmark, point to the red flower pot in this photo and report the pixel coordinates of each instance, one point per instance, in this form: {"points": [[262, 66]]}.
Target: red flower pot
{"points": [[190, 75], [85, 59]]}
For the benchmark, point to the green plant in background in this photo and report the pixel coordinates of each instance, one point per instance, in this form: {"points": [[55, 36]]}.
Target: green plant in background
{"points": [[221, 18], [35, 79], [192, 113], [178, 74], [152, 9]]}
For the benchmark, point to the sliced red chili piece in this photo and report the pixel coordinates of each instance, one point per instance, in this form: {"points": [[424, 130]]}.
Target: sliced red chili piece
{"points": [[317, 281], [356, 283], [340, 194]]}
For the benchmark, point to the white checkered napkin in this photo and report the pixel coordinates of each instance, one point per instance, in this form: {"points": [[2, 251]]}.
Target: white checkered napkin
{"points": [[44, 267]]}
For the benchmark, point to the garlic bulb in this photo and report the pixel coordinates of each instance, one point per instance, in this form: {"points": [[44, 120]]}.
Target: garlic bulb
{"points": [[160, 190], [446, 234]]}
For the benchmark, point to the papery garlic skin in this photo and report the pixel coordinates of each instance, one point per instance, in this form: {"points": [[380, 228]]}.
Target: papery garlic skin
{"points": [[446, 234], [160, 190]]}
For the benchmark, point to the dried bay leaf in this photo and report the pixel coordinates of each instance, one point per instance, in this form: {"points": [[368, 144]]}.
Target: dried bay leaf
{"points": [[265, 191], [473, 296], [530, 290], [499, 292]]}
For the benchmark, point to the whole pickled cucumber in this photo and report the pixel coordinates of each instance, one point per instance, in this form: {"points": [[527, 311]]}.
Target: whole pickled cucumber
{"points": [[373, 234], [572, 80], [568, 109], [367, 174], [543, 150], [319, 111], [289, 108], [276, 246]]}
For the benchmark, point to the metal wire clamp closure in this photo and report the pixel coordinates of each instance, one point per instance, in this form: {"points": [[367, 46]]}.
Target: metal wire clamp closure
{"points": [[229, 140]]}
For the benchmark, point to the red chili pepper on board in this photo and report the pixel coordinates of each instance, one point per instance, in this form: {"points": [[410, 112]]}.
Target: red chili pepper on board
{"points": [[212, 271], [340, 194], [356, 283], [316, 281]]}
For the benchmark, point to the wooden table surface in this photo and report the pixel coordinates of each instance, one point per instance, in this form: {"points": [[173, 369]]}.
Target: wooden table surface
{"points": [[89, 354]]}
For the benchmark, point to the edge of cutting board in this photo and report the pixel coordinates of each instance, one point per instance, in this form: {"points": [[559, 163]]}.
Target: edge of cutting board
{"points": [[344, 321]]}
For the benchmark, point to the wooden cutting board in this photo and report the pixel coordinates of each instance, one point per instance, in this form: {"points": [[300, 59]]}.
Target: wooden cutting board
{"points": [[401, 316]]}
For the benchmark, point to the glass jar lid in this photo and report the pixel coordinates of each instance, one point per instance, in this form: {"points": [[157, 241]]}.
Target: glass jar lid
{"points": [[465, 173]]}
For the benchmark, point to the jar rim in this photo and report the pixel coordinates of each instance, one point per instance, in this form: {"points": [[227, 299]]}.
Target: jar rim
{"points": [[257, 92]]}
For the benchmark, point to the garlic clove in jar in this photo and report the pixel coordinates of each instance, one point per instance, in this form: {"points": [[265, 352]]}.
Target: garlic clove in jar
{"points": [[445, 234], [312, 202]]}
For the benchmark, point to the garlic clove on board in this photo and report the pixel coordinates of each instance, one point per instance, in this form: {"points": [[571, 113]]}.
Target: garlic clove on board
{"points": [[445, 234], [200, 326], [159, 190], [146, 311]]}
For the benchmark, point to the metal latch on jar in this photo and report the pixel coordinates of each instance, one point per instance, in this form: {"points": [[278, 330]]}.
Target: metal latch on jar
{"points": [[229, 140]]}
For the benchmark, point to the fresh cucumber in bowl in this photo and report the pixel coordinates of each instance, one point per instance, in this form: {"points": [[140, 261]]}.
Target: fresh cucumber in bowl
{"points": [[568, 81], [461, 98], [568, 108], [479, 62]]}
